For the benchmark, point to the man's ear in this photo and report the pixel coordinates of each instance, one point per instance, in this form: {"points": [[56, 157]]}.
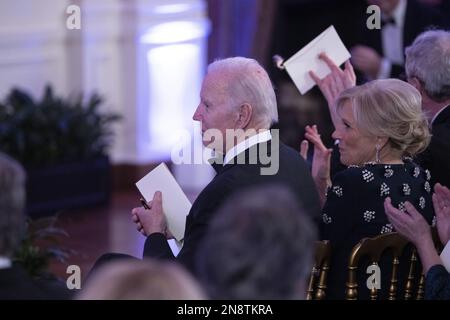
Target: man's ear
{"points": [[244, 116], [416, 84]]}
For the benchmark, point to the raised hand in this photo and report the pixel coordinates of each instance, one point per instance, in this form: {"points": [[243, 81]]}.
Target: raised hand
{"points": [[321, 161], [413, 226], [335, 82], [304, 146], [410, 223], [441, 202]]}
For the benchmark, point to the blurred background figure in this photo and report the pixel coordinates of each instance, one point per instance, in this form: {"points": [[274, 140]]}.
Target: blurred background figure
{"points": [[15, 282], [444, 8], [141, 280], [380, 52], [259, 246], [428, 70], [413, 226]]}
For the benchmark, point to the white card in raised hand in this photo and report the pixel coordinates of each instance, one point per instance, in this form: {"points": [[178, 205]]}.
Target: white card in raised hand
{"points": [[299, 65]]}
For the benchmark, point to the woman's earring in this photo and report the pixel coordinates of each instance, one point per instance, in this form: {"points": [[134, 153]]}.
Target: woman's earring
{"points": [[377, 153]]}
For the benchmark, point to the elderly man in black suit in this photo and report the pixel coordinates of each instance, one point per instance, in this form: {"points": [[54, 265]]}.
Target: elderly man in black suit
{"points": [[380, 52], [428, 69], [236, 95]]}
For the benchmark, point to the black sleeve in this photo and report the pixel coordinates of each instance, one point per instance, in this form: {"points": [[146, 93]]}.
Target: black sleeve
{"points": [[156, 246], [437, 283]]}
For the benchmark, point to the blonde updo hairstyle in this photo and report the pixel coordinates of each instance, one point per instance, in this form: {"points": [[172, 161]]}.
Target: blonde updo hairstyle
{"points": [[389, 108]]}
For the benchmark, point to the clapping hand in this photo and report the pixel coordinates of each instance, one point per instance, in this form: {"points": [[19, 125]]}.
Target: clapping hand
{"points": [[321, 160], [441, 202]]}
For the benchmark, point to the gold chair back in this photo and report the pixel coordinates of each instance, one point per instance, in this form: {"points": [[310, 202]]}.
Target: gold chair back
{"points": [[318, 280], [373, 248]]}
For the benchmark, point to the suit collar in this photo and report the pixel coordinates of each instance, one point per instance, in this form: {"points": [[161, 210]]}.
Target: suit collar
{"points": [[247, 156], [442, 116], [262, 136]]}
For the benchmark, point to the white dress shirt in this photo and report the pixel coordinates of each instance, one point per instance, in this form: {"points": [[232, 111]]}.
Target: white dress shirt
{"points": [[392, 41], [262, 136]]}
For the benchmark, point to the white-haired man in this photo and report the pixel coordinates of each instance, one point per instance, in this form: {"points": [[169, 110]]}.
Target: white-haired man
{"points": [[236, 97], [428, 69]]}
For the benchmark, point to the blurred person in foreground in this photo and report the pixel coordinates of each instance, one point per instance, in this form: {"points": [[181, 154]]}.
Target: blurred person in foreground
{"points": [[141, 280], [259, 246]]}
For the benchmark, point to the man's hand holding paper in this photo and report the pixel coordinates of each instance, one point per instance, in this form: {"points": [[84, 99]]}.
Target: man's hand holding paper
{"points": [[174, 207], [151, 220]]}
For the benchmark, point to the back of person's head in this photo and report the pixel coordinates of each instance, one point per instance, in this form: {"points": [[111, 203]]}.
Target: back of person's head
{"points": [[389, 108], [12, 202], [248, 82], [141, 280], [258, 246], [428, 60]]}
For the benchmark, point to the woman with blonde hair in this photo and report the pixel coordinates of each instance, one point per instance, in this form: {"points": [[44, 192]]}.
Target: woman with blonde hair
{"points": [[379, 126], [141, 280]]}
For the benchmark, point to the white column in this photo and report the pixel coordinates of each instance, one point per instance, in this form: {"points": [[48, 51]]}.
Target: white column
{"points": [[172, 60], [145, 57], [32, 47]]}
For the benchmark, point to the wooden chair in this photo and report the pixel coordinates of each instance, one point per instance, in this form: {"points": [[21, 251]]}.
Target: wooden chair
{"points": [[318, 279], [373, 248]]}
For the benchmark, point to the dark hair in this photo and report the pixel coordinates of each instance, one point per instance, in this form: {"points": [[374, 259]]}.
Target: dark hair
{"points": [[258, 246]]}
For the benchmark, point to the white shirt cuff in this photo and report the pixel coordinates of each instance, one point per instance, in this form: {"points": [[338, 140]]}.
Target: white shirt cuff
{"points": [[445, 256]]}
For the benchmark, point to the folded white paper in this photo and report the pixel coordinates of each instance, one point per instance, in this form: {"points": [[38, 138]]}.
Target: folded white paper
{"points": [[175, 204], [307, 59]]}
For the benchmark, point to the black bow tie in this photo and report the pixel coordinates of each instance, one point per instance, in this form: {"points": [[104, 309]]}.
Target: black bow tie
{"points": [[387, 21]]}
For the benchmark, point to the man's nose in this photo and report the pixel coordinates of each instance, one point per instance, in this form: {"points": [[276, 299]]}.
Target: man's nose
{"points": [[196, 116]]}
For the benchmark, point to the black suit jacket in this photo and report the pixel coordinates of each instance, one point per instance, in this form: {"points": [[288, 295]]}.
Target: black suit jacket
{"points": [[417, 19], [436, 157], [16, 284], [293, 172]]}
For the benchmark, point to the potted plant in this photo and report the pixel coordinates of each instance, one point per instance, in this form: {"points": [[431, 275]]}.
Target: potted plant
{"points": [[40, 244], [63, 144]]}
